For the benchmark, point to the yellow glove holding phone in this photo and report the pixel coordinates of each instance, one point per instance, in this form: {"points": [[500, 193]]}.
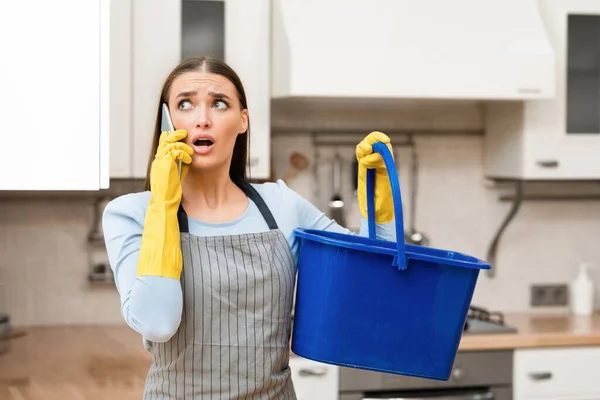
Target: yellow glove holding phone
{"points": [[367, 159], [160, 252]]}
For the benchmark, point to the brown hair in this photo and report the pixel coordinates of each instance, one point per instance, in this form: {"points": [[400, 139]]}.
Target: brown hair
{"points": [[237, 169]]}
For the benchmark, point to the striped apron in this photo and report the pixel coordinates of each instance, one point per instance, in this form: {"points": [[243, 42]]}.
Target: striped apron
{"points": [[233, 339]]}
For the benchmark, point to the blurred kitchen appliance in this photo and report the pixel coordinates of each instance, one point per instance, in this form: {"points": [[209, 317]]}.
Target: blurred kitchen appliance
{"points": [[476, 375], [481, 375], [481, 320]]}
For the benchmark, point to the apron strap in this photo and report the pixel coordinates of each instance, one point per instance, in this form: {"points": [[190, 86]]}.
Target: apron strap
{"points": [[249, 190], [182, 218]]}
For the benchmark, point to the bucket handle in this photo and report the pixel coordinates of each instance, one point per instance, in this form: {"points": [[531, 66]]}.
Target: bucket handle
{"points": [[381, 148]]}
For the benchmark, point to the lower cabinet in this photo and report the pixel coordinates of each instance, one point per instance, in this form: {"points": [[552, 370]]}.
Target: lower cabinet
{"points": [[314, 380], [563, 373]]}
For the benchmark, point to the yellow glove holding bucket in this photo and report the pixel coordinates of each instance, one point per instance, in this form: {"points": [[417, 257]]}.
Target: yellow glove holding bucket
{"points": [[384, 201], [160, 252]]}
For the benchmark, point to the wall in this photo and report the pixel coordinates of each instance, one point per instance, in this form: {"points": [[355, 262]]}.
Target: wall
{"points": [[44, 254], [45, 262]]}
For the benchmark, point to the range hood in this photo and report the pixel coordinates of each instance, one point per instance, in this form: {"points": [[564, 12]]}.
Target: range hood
{"points": [[412, 49]]}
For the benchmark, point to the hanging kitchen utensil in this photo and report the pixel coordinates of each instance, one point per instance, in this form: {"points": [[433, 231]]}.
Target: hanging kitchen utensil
{"points": [[355, 177], [413, 236], [336, 204], [299, 162]]}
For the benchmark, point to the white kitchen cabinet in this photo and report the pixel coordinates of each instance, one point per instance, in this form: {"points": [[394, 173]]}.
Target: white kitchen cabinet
{"points": [[54, 84], [152, 37], [557, 138], [314, 380], [156, 50], [121, 137], [145, 46], [382, 49], [248, 52], [557, 373]]}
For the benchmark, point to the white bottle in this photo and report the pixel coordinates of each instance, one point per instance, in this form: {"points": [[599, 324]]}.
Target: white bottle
{"points": [[582, 292]]}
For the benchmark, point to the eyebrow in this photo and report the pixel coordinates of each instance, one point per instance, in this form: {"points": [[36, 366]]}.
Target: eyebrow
{"points": [[219, 95], [191, 93], [187, 94]]}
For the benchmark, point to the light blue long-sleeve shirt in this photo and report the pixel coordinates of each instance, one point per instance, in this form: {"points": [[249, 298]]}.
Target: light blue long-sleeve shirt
{"points": [[152, 305]]}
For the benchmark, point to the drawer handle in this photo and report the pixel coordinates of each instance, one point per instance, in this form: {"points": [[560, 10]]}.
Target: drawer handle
{"points": [[540, 376], [312, 371], [477, 396], [547, 163]]}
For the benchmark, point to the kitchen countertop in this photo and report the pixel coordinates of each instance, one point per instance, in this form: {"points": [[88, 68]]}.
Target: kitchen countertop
{"points": [[100, 362], [538, 330]]}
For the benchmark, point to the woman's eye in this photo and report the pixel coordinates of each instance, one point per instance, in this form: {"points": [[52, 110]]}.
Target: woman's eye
{"points": [[184, 105], [220, 104]]}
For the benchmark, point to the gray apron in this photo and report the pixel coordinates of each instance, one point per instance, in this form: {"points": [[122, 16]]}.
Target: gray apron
{"points": [[233, 339]]}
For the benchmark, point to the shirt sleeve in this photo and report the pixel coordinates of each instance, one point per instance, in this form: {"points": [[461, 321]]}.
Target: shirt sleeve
{"points": [[310, 217], [150, 305]]}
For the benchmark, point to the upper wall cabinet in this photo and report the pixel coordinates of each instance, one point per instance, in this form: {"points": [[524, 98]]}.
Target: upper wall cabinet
{"points": [[156, 49], [248, 52], [557, 138], [162, 33], [55, 95], [121, 107], [409, 49]]}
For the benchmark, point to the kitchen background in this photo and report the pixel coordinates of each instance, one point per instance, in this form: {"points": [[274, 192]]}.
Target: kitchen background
{"points": [[46, 256], [480, 98]]}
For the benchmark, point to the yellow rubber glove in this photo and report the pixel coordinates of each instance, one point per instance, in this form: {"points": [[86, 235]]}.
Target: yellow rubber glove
{"points": [[160, 252], [384, 201]]}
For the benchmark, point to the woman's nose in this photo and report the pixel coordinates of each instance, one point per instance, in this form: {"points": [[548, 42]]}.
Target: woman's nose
{"points": [[202, 120]]}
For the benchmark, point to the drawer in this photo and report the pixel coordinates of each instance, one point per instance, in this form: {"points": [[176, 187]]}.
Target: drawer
{"points": [[314, 380], [557, 373]]}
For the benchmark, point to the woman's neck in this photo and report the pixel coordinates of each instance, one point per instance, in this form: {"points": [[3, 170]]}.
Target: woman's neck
{"points": [[212, 196]]}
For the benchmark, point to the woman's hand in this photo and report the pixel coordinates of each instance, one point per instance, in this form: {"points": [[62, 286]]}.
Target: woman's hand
{"points": [[367, 159], [165, 183], [160, 252]]}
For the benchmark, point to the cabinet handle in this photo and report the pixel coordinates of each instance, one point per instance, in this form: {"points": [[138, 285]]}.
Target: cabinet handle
{"points": [[540, 376], [476, 396], [547, 163], [312, 371]]}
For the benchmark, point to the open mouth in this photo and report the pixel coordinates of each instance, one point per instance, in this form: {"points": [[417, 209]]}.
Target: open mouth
{"points": [[203, 143]]}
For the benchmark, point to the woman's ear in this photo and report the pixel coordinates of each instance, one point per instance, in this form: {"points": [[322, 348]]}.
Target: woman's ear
{"points": [[244, 121]]}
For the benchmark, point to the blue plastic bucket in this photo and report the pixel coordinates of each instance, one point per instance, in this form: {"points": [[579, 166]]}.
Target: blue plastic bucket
{"points": [[379, 305]]}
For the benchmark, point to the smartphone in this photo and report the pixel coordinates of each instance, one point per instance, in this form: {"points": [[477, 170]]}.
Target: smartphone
{"points": [[166, 125]]}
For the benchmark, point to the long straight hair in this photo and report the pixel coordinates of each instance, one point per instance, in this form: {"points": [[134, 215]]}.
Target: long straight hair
{"points": [[239, 161]]}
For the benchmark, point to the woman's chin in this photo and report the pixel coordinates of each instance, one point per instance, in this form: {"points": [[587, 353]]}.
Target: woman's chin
{"points": [[204, 163]]}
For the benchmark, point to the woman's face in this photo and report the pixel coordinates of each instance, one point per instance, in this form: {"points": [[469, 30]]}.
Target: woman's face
{"points": [[207, 106]]}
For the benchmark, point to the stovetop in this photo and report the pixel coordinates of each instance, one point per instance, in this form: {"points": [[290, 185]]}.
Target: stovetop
{"points": [[481, 321]]}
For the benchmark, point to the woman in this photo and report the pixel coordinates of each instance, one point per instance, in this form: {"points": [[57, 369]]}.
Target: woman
{"points": [[205, 266]]}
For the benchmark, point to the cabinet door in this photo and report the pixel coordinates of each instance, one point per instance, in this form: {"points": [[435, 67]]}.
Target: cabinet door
{"points": [[557, 373], [565, 131], [156, 51], [313, 380], [120, 89], [248, 52], [54, 85]]}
